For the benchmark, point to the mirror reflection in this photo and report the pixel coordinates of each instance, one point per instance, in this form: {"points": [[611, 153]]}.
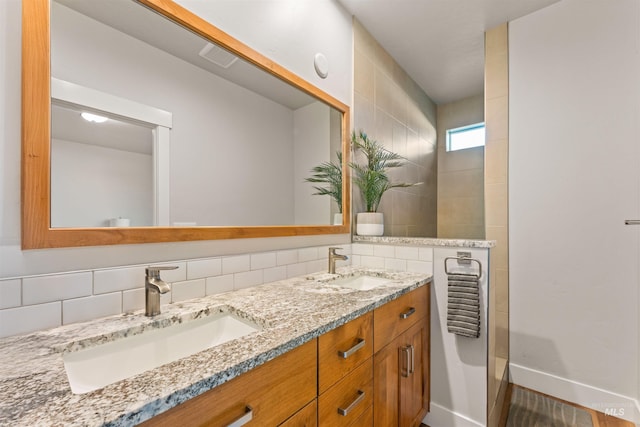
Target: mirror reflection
{"points": [[238, 151]]}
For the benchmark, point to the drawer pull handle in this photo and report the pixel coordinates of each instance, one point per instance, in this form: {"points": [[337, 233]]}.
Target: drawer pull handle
{"points": [[408, 313], [248, 416], [345, 354], [345, 412]]}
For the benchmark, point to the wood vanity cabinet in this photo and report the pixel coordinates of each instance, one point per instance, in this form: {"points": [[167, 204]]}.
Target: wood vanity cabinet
{"points": [[345, 374], [373, 370], [271, 393], [401, 361]]}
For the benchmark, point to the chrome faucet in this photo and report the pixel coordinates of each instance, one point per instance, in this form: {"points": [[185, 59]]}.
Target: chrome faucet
{"points": [[153, 287], [333, 257]]}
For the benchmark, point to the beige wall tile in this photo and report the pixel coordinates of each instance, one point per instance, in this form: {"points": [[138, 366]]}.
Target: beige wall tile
{"points": [[497, 206], [501, 285], [496, 161], [363, 70], [497, 119]]}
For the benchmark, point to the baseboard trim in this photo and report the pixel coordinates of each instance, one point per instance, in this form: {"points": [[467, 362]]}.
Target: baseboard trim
{"points": [[439, 416], [585, 395]]}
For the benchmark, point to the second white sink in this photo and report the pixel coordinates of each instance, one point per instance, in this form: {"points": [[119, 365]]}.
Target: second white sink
{"points": [[104, 364], [361, 283]]}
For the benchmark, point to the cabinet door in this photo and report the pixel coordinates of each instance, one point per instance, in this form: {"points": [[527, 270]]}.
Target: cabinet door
{"points": [[386, 374], [414, 370], [401, 379]]}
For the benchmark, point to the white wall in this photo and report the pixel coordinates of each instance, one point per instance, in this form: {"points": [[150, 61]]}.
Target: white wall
{"points": [[114, 184], [295, 52], [290, 32], [573, 180]]}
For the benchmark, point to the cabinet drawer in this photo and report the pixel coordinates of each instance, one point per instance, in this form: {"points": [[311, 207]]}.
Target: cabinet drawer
{"points": [[344, 348], [273, 391], [395, 317], [305, 417], [347, 400]]}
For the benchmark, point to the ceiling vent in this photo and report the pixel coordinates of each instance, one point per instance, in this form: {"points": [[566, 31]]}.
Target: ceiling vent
{"points": [[218, 56]]}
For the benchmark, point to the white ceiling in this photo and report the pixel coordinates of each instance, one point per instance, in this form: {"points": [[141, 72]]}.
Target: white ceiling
{"points": [[439, 43]]}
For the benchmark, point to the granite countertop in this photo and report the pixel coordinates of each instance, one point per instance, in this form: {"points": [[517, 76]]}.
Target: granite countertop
{"points": [[426, 241], [34, 389]]}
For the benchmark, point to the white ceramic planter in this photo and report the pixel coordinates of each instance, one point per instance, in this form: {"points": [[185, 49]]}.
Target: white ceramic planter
{"points": [[370, 224], [337, 219]]}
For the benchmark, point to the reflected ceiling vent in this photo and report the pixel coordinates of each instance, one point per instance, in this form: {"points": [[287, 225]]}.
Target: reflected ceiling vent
{"points": [[218, 56]]}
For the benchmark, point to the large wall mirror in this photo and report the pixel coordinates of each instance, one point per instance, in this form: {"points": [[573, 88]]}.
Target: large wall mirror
{"points": [[144, 123]]}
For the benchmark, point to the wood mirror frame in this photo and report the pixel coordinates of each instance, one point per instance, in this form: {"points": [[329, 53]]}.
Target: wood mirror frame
{"points": [[36, 142]]}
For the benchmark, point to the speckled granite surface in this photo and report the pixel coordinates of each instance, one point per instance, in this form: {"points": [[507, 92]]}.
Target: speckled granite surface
{"points": [[426, 241], [34, 389]]}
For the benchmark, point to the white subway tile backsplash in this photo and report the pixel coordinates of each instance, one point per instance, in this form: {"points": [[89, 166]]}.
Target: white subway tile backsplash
{"points": [[118, 279], [202, 268], [356, 260], [132, 300], [41, 289], [307, 254], [83, 309], [188, 290], [408, 252], [425, 254], [420, 267], [384, 251], [166, 298], [294, 270], [395, 264], [287, 257], [39, 302], [362, 249], [247, 279], [10, 293], [219, 284], [319, 265], [274, 274], [264, 260], [372, 262], [236, 264], [31, 318]]}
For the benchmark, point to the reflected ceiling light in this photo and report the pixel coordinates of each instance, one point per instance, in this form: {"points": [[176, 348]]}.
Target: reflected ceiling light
{"points": [[94, 118]]}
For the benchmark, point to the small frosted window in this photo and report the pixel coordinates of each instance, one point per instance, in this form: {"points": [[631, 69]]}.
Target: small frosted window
{"points": [[465, 137]]}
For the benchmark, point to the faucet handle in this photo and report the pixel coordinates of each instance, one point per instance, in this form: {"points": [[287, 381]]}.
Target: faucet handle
{"points": [[155, 271], [333, 249]]}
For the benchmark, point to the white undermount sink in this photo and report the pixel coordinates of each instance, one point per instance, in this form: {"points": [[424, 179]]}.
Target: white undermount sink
{"points": [[360, 283], [96, 367]]}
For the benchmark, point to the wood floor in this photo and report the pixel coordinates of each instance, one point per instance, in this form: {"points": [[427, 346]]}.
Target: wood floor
{"points": [[599, 419]]}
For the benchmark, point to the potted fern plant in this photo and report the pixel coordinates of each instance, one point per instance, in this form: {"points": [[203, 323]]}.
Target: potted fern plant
{"points": [[372, 179], [329, 173]]}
